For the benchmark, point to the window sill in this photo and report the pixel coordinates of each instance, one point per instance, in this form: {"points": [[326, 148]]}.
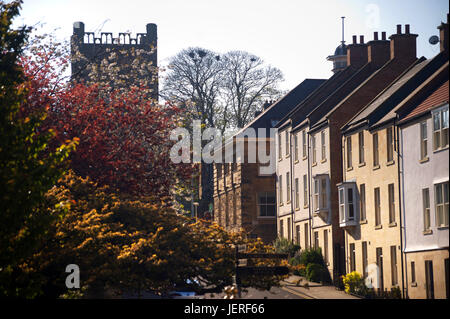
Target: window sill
{"points": [[304, 158], [362, 164], [280, 159], [390, 163], [306, 206], [393, 224], [287, 156], [376, 167], [379, 227], [314, 164], [288, 202], [363, 222], [442, 227], [296, 161], [349, 169], [427, 232], [440, 149], [280, 205], [424, 160], [323, 161], [297, 209], [414, 284]]}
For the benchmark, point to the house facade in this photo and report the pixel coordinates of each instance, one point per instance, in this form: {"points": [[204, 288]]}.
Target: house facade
{"points": [[244, 194], [371, 193], [425, 195]]}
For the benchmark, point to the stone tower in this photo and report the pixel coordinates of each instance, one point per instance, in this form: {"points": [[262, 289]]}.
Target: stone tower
{"points": [[87, 51]]}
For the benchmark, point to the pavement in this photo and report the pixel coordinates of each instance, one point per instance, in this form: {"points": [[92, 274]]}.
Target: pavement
{"points": [[312, 290]]}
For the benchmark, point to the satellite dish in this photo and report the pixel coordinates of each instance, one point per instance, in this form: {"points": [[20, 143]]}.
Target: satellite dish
{"points": [[434, 40]]}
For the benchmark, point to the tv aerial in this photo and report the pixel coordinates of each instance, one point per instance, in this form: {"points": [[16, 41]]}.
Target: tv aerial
{"points": [[434, 39]]}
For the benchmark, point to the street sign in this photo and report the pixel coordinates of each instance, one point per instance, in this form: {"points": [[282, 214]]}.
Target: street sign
{"points": [[256, 255], [269, 271]]}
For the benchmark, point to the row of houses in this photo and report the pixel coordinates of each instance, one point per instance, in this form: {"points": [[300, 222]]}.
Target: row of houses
{"points": [[361, 166]]}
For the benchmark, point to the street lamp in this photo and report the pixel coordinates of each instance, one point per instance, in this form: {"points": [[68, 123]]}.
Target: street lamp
{"points": [[196, 205]]}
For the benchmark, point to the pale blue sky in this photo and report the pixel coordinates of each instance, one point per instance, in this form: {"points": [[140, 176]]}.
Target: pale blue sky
{"points": [[294, 35]]}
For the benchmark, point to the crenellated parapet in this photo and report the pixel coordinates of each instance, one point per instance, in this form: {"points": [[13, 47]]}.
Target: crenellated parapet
{"points": [[90, 48]]}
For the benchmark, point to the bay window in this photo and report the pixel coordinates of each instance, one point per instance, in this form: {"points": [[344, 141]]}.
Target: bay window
{"points": [[347, 204]]}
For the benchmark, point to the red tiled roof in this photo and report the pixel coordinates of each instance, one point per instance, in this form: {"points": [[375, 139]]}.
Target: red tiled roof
{"points": [[438, 97]]}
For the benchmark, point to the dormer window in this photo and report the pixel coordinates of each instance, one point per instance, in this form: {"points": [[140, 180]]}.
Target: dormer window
{"points": [[347, 204]]}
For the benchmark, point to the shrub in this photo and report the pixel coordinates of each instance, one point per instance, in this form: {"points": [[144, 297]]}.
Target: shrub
{"points": [[311, 256], [284, 246], [317, 273], [354, 283], [299, 270]]}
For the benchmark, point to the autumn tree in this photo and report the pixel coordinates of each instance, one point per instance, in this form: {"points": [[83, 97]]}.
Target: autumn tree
{"points": [[28, 169], [124, 245]]}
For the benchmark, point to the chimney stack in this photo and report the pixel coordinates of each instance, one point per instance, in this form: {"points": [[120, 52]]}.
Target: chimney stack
{"points": [[357, 52], [378, 50], [403, 45], [443, 34]]}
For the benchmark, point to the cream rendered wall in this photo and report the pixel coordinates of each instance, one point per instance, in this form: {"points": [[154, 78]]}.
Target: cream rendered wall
{"points": [[302, 215], [320, 224], [283, 164], [387, 234]]}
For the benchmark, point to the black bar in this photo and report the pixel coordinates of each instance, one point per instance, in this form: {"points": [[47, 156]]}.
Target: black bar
{"points": [[277, 270]]}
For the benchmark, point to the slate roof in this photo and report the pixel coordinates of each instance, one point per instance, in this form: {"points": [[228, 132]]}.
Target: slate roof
{"points": [[270, 116]]}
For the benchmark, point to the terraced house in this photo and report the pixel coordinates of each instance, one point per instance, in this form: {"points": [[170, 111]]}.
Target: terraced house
{"points": [[380, 62], [371, 192]]}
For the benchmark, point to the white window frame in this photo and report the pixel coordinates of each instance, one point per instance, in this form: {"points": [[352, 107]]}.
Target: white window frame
{"points": [[423, 126], [323, 147], [441, 131], [297, 194], [288, 143], [348, 204], [443, 205], [321, 195], [313, 149]]}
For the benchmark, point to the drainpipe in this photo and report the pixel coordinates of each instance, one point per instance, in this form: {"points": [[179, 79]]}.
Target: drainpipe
{"points": [[292, 185], [400, 172], [309, 186], [344, 179]]}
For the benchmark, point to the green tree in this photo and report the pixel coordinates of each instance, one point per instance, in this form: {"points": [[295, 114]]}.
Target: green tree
{"points": [[27, 168]]}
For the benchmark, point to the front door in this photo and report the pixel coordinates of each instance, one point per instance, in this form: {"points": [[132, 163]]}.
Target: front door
{"points": [[380, 269], [429, 279]]}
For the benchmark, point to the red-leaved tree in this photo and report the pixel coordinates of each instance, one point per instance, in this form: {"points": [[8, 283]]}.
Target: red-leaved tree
{"points": [[123, 135]]}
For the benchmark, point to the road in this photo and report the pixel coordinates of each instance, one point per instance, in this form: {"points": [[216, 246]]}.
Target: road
{"points": [[273, 293]]}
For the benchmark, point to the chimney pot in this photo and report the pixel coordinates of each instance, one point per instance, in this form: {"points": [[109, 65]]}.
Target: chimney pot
{"points": [[399, 29], [361, 39], [354, 39], [375, 36], [406, 28], [383, 35]]}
